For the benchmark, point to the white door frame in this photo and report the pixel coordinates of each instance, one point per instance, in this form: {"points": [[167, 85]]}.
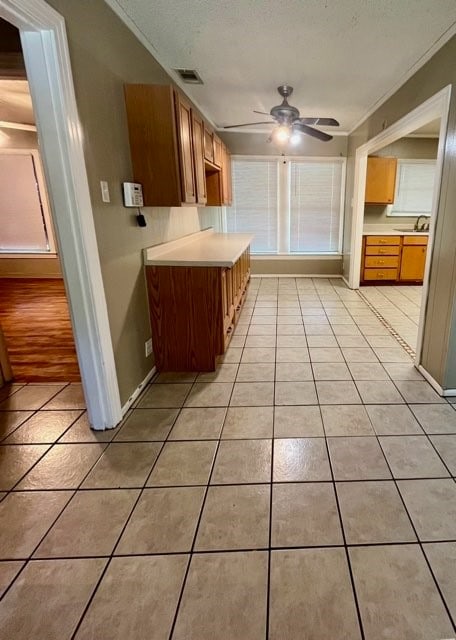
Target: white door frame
{"points": [[47, 60], [435, 107]]}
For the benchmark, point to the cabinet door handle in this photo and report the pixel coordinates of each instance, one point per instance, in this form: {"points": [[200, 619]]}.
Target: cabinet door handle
{"points": [[382, 241]]}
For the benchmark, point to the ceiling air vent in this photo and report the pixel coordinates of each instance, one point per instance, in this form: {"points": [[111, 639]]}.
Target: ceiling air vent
{"points": [[190, 76]]}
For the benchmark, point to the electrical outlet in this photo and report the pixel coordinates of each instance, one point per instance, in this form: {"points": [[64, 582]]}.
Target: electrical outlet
{"points": [[105, 191], [148, 347]]}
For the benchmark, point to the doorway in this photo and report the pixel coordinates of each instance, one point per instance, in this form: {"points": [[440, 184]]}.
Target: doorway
{"points": [[395, 230], [34, 313], [47, 62], [428, 114]]}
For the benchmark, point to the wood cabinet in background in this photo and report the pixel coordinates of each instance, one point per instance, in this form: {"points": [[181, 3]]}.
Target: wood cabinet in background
{"points": [[393, 258], [176, 157], [413, 258], [380, 180]]}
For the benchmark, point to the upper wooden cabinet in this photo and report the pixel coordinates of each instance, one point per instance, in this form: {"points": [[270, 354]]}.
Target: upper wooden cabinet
{"points": [[187, 156], [208, 145], [170, 147], [198, 153], [380, 180], [227, 195]]}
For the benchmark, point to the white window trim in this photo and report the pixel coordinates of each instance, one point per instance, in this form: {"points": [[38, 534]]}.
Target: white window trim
{"points": [[52, 252], [284, 188], [403, 214]]}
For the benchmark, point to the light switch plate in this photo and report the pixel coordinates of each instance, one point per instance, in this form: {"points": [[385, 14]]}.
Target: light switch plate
{"points": [[105, 191], [148, 346]]}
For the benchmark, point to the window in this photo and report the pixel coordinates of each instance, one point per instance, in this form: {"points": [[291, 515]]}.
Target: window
{"points": [[414, 188], [290, 206], [255, 203], [24, 214]]}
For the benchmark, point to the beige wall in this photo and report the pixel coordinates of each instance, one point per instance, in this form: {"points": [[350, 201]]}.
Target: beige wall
{"points": [[439, 347], [301, 266], [406, 148], [254, 144], [104, 56], [30, 267]]}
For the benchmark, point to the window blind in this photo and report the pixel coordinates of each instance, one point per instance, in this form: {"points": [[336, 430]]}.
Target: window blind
{"points": [[255, 203], [315, 206], [414, 188], [21, 216]]}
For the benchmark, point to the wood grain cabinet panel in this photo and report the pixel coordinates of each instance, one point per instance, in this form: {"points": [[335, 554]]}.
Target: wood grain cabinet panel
{"points": [[398, 259], [208, 145], [175, 156], [413, 262], [198, 154], [380, 180], [186, 152], [193, 311]]}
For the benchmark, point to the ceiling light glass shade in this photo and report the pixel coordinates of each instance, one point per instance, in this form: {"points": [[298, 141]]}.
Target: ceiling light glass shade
{"points": [[282, 134], [295, 138]]}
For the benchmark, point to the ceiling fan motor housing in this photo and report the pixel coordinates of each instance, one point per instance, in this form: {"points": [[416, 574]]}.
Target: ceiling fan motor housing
{"points": [[284, 113]]}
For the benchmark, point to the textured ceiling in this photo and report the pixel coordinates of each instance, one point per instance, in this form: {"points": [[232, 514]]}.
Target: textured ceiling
{"points": [[341, 57]]}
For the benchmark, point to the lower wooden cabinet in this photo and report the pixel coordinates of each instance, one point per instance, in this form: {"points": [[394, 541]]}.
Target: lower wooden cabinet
{"points": [[193, 312], [413, 262], [394, 258]]}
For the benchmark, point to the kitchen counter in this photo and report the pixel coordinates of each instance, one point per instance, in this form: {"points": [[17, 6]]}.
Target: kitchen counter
{"points": [[202, 249], [378, 231]]}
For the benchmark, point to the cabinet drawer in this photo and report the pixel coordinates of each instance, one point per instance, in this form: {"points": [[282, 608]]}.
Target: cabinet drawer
{"points": [[422, 240], [383, 262], [391, 250], [380, 240], [380, 274]]}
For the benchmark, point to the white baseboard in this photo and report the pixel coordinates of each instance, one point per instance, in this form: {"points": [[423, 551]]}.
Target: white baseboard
{"points": [[139, 389], [346, 281], [295, 275], [434, 384]]}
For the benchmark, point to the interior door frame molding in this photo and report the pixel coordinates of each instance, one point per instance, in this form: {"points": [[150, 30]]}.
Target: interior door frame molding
{"points": [[47, 60], [437, 106]]}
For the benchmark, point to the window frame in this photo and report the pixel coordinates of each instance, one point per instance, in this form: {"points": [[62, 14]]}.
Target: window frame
{"points": [[390, 213], [284, 202]]}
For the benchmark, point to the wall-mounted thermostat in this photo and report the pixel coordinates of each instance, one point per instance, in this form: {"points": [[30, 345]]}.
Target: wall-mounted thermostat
{"points": [[132, 194]]}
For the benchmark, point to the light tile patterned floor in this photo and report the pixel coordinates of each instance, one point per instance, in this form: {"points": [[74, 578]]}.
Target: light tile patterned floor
{"points": [[400, 307], [306, 489]]}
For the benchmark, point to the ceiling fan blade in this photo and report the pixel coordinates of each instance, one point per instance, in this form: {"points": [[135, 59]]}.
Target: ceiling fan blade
{"points": [[263, 113], [247, 124], [315, 133], [322, 122]]}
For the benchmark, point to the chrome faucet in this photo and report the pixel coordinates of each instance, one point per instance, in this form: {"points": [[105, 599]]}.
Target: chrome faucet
{"points": [[424, 226]]}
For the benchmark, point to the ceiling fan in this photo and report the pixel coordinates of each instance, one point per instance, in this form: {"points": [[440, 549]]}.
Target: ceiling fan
{"points": [[289, 124]]}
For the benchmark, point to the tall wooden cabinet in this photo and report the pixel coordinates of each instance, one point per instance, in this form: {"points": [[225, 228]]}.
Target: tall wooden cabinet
{"points": [[380, 180], [177, 158]]}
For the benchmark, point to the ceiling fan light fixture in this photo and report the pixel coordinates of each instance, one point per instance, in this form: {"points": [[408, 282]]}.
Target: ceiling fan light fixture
{"points": [[282, 134], [295, 138]]}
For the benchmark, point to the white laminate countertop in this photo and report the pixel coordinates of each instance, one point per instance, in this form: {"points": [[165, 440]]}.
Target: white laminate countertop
{"points": [[202, 249], [380, 230]]}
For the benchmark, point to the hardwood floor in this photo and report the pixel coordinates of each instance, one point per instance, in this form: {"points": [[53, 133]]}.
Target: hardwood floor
{"points": [[35, 319]]}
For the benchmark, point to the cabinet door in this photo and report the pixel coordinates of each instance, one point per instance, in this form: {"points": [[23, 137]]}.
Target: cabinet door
{"points": [[187, 167], [217, 151], [198, 149], [380, 180], [226, 176], [413, 262], [208, 144]]}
